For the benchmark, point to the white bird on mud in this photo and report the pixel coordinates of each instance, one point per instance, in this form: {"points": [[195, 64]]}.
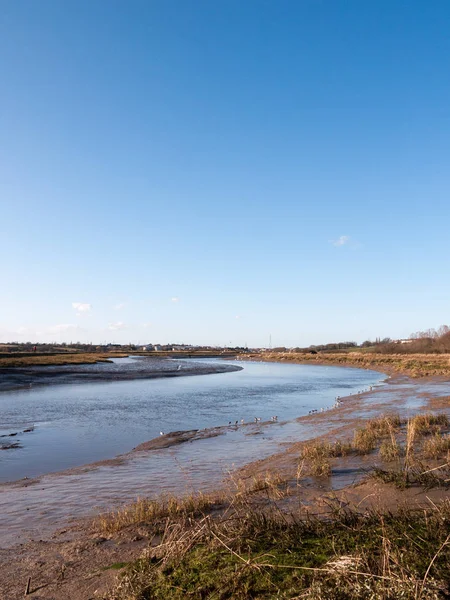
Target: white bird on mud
{"points": [[161, 433]]}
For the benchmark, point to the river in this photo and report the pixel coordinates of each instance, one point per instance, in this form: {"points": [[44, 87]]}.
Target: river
{"points": [[80, 423]]}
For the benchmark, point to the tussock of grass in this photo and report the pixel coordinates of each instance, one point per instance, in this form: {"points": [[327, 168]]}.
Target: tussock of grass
{"points": [[436, 446], [390, 450], [415, 475], [428, 424], [318, 455], [147, 511], [366, 438], [272, 484], [384, 425], [364, 441], [316, 449], [256, 554]]}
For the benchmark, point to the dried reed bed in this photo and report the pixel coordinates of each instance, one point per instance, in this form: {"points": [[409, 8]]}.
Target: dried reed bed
{"points": [[414, 365], [58, 359], [236, 491]]}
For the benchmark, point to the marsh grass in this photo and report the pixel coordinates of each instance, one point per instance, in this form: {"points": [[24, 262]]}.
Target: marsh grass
{"points": [[260, 554], [149, 511], [272, 485], [76, 358], [436, 446], [416, 474], [317, 455], [390, 450], [415, 365], [428, 424], [366, 439]]}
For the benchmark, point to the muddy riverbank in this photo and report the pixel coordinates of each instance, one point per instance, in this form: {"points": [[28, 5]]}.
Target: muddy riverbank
{"points": [[14, 378]]}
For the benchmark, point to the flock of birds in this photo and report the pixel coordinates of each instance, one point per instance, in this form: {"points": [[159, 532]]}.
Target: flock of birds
{"points": [[274, 419], [337, 402]]}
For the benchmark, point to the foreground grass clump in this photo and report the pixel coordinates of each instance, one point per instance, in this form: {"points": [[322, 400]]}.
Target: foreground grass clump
{"points": [[436, 446], [415, 474], [252, 553], [429, 423], [319, 453], [366, 438], [145, 511]]}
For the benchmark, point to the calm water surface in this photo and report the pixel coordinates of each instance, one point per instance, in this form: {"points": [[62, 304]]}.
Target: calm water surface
{"points": [[86, 422]]}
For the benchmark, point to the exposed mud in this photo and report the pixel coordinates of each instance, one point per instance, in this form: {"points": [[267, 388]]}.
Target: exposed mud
{"points": [[139, 368]]}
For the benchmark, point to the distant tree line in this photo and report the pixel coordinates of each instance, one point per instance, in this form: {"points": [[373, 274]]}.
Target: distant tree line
{"points": [[430, 341]]}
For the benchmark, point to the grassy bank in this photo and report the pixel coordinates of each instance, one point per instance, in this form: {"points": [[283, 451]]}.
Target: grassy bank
{"points": [[250, 552], [414, 365], [256, 540], [57, 359]]}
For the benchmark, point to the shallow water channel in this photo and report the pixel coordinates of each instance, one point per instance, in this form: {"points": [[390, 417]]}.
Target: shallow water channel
{"points": [[80, 423], [85, 422]]}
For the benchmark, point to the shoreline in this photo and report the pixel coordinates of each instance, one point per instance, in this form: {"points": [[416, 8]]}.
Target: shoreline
{"points": [[415, 366], [20, 378]]}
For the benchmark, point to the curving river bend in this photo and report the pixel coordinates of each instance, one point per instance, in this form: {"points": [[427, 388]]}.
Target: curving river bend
{"points": [[80, 423]]}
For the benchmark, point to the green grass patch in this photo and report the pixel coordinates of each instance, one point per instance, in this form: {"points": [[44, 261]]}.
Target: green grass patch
{"points": [[258, 555]]}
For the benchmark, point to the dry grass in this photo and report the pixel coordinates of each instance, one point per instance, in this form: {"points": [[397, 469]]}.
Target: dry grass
{"points": [[366, 439], [264, 554], [148, 511], [272, 484], [427, 424], [317, 455], [238, 491], [58, 359], [436, 446], [414, 365], [390, 450]]}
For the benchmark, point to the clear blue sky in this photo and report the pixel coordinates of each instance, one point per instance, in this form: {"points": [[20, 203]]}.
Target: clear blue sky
{"points": [[215, 172]]}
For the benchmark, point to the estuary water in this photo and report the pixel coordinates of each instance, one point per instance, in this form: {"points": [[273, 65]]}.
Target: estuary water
{"points": [[78, 423]]}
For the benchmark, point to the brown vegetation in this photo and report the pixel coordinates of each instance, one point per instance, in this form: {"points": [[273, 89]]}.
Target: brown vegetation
{"points": [[57, 359], [414, 365]]}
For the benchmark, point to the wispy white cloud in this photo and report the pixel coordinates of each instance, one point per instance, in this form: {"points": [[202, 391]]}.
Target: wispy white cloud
{"points": [[341, 241], [146, 325], [237, 317], [175, 299], [82, 308], [116, 326], [119, 306]]}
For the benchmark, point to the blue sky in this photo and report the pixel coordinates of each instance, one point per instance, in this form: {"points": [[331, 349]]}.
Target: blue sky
{"points": [[216, 172]]}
